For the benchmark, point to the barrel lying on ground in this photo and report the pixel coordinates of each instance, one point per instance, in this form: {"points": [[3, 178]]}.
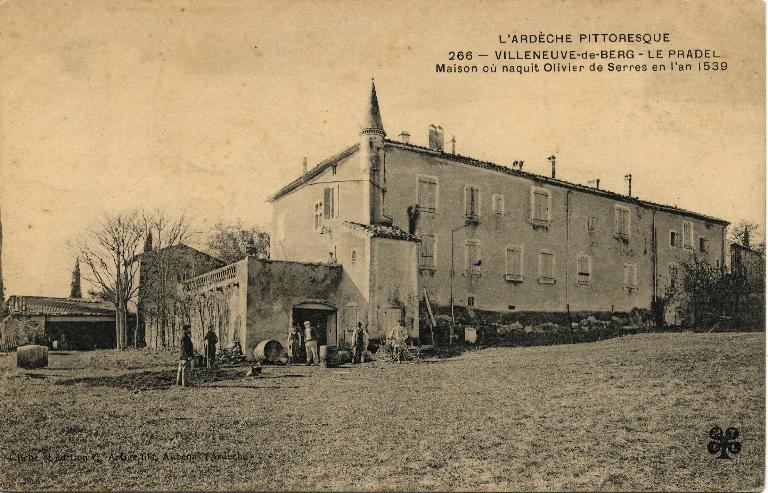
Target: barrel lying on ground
{"points": [[270, 351], [32, 356]]}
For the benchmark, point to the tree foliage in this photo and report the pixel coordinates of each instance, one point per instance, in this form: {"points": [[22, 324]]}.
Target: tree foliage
{"points": [[231, 242], [706, 297]]}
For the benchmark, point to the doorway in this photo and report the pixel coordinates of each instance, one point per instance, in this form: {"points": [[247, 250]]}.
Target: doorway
{"points": [[322, 317]]}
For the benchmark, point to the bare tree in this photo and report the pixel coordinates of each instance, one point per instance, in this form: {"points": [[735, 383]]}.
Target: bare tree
{"points": [[110, 253], [107, 250], [232, 241], [161, 268]]}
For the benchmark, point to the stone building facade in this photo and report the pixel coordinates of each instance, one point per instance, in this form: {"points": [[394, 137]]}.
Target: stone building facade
{"points": [[490, 237]]}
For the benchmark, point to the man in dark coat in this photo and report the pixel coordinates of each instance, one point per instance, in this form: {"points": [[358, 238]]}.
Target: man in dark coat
{"points": [[186, 353], [358, 343], [210, 346]]}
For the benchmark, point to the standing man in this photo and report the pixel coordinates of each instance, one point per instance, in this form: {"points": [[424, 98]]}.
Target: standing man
{"points": [[358, 343], [186, 353], [294, 342], [310, 343], [210, 350], [398, 341]]}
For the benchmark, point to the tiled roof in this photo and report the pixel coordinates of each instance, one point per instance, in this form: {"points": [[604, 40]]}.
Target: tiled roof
{"points": [[382, 231], [43, 305], [544, 179], [500, 169], [314, 172]]}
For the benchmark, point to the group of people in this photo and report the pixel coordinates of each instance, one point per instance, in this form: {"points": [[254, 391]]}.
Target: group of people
{"points": [[307, 340], [187, 354]]}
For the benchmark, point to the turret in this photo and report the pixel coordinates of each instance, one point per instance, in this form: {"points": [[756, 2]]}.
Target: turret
{"points": [[372, 158]]}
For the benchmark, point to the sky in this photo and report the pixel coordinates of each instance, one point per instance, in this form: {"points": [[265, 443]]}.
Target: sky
{"points": [[209, 107]]}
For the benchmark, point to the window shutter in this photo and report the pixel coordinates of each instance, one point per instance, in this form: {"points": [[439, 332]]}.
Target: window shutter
{"points": [[467, 200], [327, 203]]}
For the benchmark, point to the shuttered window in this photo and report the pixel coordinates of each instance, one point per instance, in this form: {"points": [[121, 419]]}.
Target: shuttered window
{"points": [[472, 260], [427, 200], [497, 204], [328, 203], [546, 267], [687, 235], [471, 201], [630, 276], [584, 269], [514, 259], [427, 249], [539, 208], [621, 222]]}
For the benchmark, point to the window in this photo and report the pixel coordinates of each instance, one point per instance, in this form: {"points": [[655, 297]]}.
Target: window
{"points": [[673, 239], [470, 301], [630, 276], [349, 317], [540, 205], [584, 269], [621, 222], [546, 267], [333, 169], [427, 252], [702, 245], [471, 201], [427, 199], [591, 223], [472, 260], [497, 203], [354, 256], [328, 203], [687, 235], [318, 215], [514, 262]]}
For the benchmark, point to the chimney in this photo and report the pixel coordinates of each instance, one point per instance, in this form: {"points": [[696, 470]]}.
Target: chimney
{"points": [[453, 144], [304, 167], [552, 160], [628, 179], [521, 165], [405, 137], [436, 137]]}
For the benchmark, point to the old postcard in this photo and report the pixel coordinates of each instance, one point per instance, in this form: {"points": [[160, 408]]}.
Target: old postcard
{"points": [[382, 246]]}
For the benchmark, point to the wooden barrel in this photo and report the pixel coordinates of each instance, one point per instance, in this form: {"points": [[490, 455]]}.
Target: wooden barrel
{"points": [[270, 351], [328, 356], [32, 356]]}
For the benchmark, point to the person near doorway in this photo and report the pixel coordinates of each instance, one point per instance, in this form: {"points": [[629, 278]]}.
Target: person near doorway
{"points": [[294, 342], [397, 339], [358, 343], [186, 353], [210, 346], [310, 343]]}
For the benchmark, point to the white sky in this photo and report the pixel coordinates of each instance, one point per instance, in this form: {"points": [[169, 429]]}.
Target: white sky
{"points": [[210, 107]]}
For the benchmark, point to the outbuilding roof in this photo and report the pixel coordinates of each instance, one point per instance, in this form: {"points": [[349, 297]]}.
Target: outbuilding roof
{"points": [[382, 231], [47, 306]]}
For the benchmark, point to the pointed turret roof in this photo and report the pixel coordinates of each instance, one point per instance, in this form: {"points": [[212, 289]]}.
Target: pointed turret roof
{"points": [[373, 115]]}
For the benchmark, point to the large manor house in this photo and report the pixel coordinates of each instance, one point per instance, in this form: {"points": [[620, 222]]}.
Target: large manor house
{"points": [[385, 228], [389, 232]]}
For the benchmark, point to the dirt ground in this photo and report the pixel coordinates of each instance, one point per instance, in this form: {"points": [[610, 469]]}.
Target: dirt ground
{"points": [[625, 414]]}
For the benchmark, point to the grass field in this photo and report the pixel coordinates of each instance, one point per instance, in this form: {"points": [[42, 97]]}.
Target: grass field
{"points": [[625, 414]]}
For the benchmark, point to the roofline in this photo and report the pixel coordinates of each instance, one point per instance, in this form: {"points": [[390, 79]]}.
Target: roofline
{"points": [[458, 158], [319, 168]]}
